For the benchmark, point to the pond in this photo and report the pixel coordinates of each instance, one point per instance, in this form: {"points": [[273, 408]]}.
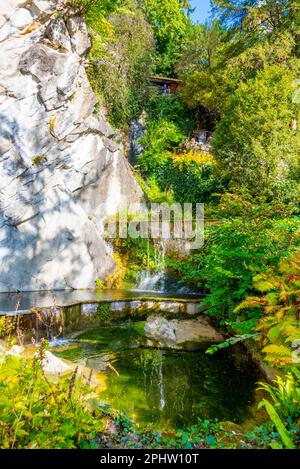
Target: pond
{"points": [[165, 389]]}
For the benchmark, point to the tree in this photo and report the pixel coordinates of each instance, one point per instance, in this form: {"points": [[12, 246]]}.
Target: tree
{"points": [[169, 21], [201, 66], [121, 61], [255, 142], [244, 14]]}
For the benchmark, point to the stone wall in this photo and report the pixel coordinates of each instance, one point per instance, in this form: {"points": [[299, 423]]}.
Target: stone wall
{"points": [[61, 170], [56, 321]]}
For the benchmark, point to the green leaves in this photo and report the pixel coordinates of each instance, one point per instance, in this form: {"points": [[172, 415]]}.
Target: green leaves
{"points": [[227, 343], [170, 24], [210, 440], [37, 412], [250, 131], [121, 59], [284, 434], [281, 305]]}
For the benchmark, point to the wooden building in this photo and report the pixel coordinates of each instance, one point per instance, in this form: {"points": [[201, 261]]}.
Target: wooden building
{"points": [[166, 85]]}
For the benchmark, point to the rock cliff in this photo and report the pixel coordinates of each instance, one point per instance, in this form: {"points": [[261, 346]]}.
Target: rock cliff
{"points": [[61, 170]]}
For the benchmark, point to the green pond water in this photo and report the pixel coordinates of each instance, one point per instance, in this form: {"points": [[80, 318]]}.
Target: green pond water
{"points": [[165, 389]]}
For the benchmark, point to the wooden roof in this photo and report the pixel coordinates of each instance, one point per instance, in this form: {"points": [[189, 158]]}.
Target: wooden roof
{"points": [[166, 80]]}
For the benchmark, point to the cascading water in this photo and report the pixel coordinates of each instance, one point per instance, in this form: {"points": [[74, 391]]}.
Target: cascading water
{"points": [[154, 279], [162, 401]]}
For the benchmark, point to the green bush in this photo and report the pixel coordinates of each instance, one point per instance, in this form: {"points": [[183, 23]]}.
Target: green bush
{"points": [[40, 412], [121, 60], [162, 136], [251, 238], [237, 251], [255, 143]]}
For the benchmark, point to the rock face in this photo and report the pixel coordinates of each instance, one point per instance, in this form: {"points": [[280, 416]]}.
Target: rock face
{"points": [[61, 171], [175, 333]]}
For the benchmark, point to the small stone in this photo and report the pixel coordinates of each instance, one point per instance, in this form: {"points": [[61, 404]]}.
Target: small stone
{"points": [[15, 351], [58, 34], [21, 18], [54, 365]]}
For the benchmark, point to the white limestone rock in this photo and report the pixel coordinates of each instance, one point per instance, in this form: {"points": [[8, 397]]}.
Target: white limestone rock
{"points": [[175, 333], [15, 351], [55, 366], [21, 18], [79, 36], [160, 329], [61, 172], [58, 34]]}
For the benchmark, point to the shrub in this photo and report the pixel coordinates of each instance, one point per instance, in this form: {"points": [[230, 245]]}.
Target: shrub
{"points": [[40, 412], [254, 142], [284, 409]]}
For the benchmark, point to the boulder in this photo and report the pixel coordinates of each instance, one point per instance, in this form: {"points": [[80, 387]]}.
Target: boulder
{"points": [[79, 36], [176, 333], [15, 351], [21, 18], [58, 34], [160, 329]]}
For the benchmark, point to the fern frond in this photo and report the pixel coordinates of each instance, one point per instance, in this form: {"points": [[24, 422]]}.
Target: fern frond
{"points": [[277, 350], [250, 302]]}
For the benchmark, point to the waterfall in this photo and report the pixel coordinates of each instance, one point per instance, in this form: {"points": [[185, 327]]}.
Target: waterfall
{"points": [[162, 401], [154, 279]]}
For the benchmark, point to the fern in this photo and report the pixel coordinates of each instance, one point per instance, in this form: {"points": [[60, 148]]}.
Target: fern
{"points": [[281, 304], [285, 394], [284, 434], [277, 354]]}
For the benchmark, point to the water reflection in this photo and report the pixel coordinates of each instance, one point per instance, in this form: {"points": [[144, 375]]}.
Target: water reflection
{"points": [[167, 389]]}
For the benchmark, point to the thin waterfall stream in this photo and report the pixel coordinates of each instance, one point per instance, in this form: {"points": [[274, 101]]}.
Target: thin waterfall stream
{"points": [[161, 385], [155, 278]]}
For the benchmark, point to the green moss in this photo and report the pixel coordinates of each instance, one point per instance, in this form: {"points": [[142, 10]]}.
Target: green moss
{"points": [[99, 284], [37, 160], [103, 313]]}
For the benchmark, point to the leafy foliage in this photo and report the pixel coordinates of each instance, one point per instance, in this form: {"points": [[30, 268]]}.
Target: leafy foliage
{"points": [[39, 412], [121, 60], [256, 127], [279, 327], [103, 313], [170, 23], [240, 247], [285, 405], [201, 68]]}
